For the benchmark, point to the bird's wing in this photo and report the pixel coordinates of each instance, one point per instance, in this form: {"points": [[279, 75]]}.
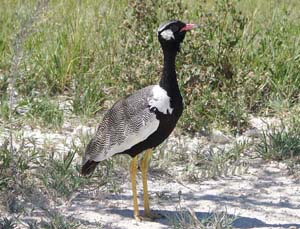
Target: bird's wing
{"points": [[128, 122]]}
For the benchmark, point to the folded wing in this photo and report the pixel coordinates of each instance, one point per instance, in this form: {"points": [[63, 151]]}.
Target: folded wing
{"points": [[129, 122]]}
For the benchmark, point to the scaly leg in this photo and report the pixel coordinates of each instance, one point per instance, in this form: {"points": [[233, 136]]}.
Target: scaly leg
{"points": [[144, 168], [133, 171]]}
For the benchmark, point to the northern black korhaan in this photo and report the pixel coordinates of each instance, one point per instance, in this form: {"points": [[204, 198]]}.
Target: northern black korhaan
{"points": [[144, 119]]}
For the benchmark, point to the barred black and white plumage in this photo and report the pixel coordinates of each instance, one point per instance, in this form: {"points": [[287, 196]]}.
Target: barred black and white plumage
{"points": [[125, 119]]}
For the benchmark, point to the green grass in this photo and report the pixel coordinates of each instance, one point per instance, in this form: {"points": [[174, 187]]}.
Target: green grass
{"points": [[62, 176], [244, 58], [281, 143], [45, 112]]}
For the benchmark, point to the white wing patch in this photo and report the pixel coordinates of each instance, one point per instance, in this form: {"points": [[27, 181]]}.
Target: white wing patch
{"points": [[160, 100], [167, 34], [132, 139]]}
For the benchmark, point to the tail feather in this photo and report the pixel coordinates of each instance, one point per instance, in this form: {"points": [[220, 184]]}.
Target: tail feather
{"points": [[88, 167]]}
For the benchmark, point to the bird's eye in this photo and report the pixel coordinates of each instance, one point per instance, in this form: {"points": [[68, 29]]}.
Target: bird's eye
{"points": [[174, 28]]}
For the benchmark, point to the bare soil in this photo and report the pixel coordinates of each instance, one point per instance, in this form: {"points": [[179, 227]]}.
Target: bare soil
{"points": [[266, 195]]}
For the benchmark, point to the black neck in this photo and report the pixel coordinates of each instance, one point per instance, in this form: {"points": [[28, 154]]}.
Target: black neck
{"points": [[168, 80]]}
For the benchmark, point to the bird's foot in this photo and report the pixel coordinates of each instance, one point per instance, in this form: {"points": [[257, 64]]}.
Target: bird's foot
{"points": [[138, 218]]}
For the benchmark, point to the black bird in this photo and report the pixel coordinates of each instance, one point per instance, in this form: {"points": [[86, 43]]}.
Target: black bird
{"points": [[144, 119]]}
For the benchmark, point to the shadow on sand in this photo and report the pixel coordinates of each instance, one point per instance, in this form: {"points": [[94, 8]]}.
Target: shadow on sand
{"points": [[239, 222]]}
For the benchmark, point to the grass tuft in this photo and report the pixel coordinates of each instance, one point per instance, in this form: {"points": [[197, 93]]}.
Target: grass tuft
{"points": [[62, 175], [281, 143], [187, 218]]}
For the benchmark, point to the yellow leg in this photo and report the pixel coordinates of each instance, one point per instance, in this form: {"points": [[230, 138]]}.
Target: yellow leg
{"points": [[144, 168], [133, 171]]}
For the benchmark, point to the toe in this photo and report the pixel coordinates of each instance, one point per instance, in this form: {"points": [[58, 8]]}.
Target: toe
{"points": [[138, 218]]}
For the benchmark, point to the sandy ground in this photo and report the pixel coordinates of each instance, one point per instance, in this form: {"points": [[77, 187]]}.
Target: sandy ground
{"points": [[265, 196]]}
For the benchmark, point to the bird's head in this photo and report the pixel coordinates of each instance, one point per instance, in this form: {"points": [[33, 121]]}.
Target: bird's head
{"points": [[172, 33]]}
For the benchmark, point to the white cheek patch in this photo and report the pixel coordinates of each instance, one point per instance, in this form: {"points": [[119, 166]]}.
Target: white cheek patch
{"points": [[160, 100], [167, 34]]}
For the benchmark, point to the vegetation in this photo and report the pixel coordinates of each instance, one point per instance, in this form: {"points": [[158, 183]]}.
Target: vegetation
{"points": [[42, 180], [281, 143], [186, 218], [6, 223], [242, 60], [61, 60]]}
